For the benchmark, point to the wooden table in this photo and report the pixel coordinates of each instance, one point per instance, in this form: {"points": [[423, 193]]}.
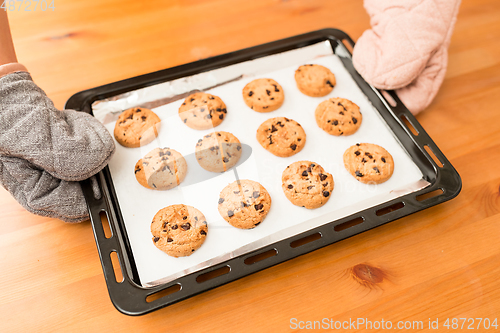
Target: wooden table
{"points": [[439, 263]]}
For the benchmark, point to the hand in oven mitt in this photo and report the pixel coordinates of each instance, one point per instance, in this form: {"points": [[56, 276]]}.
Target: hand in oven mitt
{"points": [[407, 48], [44, 152]]}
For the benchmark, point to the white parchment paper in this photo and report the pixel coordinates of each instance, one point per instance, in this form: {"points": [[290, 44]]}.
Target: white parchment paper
{"points": [[201, 188]]}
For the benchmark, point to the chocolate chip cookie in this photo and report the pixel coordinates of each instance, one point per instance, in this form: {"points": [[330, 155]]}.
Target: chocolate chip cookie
{"points": [[179, 230], [136, 127], [369, 163], [338, 116], [163, 169], [281, 136], [202, 111], [218, 151], [314, 80], [244, 204], [307, 184], [263, 95]]}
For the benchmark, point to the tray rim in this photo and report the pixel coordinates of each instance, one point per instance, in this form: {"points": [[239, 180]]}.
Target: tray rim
{"points": [[130, 298]]}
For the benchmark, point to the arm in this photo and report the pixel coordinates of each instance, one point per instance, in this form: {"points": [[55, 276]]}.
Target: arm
{"points": [[7, 52], [44, 151]]}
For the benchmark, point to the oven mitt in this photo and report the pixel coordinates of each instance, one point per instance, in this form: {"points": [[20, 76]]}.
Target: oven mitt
{"points": [[44, 152], [407, 48]]}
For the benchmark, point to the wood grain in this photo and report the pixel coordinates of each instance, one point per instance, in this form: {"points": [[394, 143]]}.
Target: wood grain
{"points": [[439, 263]]}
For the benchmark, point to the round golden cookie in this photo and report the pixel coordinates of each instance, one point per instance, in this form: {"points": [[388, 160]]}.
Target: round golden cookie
{"points": [[136, 127], [140, 175], [338, 116], [263, 95], [202, 111], [314, 80], [218, 151], [281, 136], [163, 168], [307, 184], [369, 163], [179, 230], [244, 204]]}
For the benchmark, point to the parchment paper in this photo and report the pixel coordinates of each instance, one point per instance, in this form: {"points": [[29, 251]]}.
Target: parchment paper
{"points": [[201, 188]]}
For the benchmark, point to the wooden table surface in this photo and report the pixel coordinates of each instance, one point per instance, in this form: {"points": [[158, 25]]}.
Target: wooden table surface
{"points": [[439, 263]]}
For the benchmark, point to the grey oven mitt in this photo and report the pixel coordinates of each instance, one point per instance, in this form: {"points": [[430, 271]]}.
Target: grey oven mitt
{"points": [[44, 152]]}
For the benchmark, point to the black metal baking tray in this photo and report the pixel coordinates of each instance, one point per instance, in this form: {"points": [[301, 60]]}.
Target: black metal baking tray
{"points": [[131, 298]]}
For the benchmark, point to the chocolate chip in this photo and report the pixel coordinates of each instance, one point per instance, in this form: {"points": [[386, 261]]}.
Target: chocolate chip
{"points": [[230, 213], [250, 93], [276, 88], [236, 192], [270, 140], [290, 186], [225, 159], [279, 123], [322, 176], [192, 99], [169, 239], [354, 121], [342, 113], [221, 116], [293, 146], [329, 83], [376, 169], [243, 204], [358, 174], [185, 120], [383, 159], [268, 92], [130, 117], [203, 233], [363, 160], [168, 153], [310, 187], [265, 107], [175, 226], [144, 118], [156, 239], [209, 116], [256, 224], [238, 147], [273, 129], [138, 110], [202, 110], [357, 144], [259, 206], [357, 153], [255, 194], [186, 226], [137, 170], [304, 173], [299, 139], [210, 97], [335, 122], [196, 218], [326, 193]]}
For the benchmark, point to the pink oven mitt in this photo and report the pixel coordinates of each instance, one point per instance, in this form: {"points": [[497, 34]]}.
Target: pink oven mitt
{"points": [[407, 48]]}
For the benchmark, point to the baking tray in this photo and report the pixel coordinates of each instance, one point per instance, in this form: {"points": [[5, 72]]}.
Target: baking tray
{"points": [[132, 297]]}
